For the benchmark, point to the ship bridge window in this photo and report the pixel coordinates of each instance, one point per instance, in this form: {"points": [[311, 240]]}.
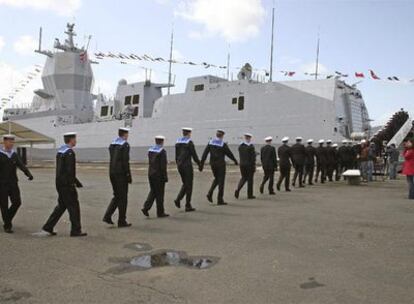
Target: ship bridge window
{"points": [[128, 100], [104, 110], [234, 100], [241, 103], [199, 87], [135, 113], [135, 99], [112, 110]]}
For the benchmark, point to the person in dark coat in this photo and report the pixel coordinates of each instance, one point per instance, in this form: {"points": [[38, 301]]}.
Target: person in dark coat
{"points": [[321, 161], [9, 187], [285, 157], [157, 177], [330, 160], [309, 162], [218, 150], [298, 153], [66, 184], [344, 157], [336, 166], [247, 157], [269, 164], [184, 153], [120, 177]]}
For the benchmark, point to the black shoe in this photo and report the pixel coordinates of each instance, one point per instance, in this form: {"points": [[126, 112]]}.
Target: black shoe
{"points": [[272, 193], [251, 197], [163, 215], [189, 209], [278, 187], [209, 198], [288, 190], [78, 234], [222, 203], [177, 203], [310, 184], [236, 194], [301, 186], [8, 230], [51, 232], [123, 225], [108, 221], [293, 185], [145, 212], [261, 189]]}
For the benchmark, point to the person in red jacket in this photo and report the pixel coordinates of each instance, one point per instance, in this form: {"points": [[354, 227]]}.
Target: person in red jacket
{"points": [[408, 168]]}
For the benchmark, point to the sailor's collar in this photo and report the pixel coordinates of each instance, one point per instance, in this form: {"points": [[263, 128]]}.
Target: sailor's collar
{"points": [[217, 142], [183, 140], [246, 143], [156, 149], [64, 148], [9, 154], [119, 141]]}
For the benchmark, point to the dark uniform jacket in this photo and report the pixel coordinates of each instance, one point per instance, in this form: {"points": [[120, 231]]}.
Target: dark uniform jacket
{"points": [[157, 158], [344, 155], [310, 155], [184, 152], [298, 153], [321, 155], [268, 157], [285, 155], [66, 168], [247, 154], [9, 162], [218, 151], [119, 159], [330, 155]]}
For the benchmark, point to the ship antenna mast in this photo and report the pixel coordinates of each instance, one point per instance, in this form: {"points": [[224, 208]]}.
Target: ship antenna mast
{"points": [[228, 64], [317, 59], [271, 44], [171, 59]]}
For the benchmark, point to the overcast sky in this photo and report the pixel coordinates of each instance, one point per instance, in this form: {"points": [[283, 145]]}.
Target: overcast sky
{"points": [[355, 36]]}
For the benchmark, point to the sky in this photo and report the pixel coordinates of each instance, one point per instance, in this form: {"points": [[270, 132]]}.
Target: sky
{"points": [[355, 36]]}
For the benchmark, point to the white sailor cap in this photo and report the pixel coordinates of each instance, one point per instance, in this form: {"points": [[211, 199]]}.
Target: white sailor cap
{"points": [[344, 141], [69, 134], [335, 145], [269, 138], [248, 134], [299, 138], [221, 131], [124, 129], [363, 141], [8, 136], [285, 139], [310, 140], [161, 137], [321, 141], [188, 129], [329, 141]]}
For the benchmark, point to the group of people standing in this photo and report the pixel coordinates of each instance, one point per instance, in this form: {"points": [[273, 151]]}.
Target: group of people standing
{"points": [[326, 160]]}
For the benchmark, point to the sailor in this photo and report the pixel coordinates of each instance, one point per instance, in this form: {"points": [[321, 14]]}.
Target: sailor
{"points": [[120, 177], [218, 150], [309, 162], [353, 160], [285, 157], [344, 157], [320, 161], [184, 152], [9, 187], [269, 163], [247, 157], [298, 153], [330, 160], [66, 182], [336, 166], [157, 176]]}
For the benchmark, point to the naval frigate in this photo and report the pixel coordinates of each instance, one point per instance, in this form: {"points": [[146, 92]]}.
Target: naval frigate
{"points": [[326, 108]]}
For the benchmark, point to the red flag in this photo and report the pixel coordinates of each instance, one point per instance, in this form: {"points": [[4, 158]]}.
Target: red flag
{"points": [[83, 56], [359, 75], [373, 75], [290, 74]]}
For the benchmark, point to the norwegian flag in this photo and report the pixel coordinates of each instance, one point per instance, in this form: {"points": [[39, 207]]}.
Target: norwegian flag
{"points": [[83, 57], [359, 75], [373, 75]]}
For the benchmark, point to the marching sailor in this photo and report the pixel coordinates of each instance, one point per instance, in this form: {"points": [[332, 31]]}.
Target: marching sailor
{"points": [[66, 184], [120, 177], [330, 159], [157, 176], [309, 162], [285, 157], [218, 150], [9, 187], [298, 152], [269, 164], [321, 161], [184, 153], [247, 156]]}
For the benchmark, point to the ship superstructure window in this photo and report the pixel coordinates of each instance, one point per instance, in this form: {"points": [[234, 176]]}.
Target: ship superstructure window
{"points": [[234, 100], [241, 103], [104, 110], [135, 99], [199, 87], [112, 110], [128, 100], [135, 113]]}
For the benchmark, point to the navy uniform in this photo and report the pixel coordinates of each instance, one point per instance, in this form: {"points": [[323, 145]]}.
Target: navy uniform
{"points": [[120, 177], [321, 161], [185, 152], [344, 157], [9, 187], [298, 153], [309, 162], [157, 177], [285, 157], [330, 160], [336, 166], [66, 182], [269, 164], [247, 156], [218, 150]]}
